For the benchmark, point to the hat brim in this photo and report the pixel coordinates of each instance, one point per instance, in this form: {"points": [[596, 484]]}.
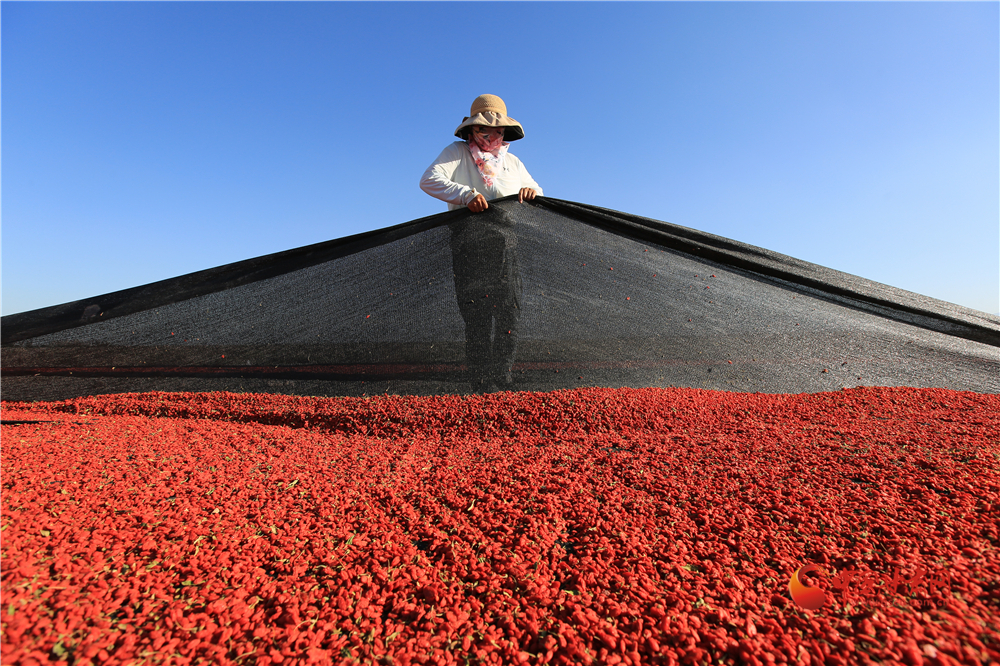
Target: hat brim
{"points": [[512, 129]]}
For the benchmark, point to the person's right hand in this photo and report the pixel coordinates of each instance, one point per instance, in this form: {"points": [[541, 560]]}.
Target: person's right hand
{"points": [[478, 205]]}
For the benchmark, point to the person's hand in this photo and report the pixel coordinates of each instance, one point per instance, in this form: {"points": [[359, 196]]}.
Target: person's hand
{"points": [[478, 205], [526, 194]]}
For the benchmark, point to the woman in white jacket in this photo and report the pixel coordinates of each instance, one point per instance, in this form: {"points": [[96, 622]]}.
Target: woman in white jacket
{"points": [[479, 168], [470, 173]]}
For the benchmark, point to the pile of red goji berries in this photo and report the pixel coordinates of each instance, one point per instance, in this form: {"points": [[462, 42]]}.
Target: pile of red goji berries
{"points": [[652, 526]]}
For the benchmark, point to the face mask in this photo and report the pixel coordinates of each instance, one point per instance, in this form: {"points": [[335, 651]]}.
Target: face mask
{"points": [[487, 151], [490, 140]]}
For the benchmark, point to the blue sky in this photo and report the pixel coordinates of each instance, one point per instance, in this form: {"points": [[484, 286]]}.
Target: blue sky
{"points": [[141, 141]]}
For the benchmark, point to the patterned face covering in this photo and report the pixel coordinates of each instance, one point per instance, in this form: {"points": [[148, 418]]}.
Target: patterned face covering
{"points": [[489, 139], [488, 148]]}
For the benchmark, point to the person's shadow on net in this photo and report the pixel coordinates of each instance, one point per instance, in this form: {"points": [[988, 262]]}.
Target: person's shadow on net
{"points": [[488, 288]]}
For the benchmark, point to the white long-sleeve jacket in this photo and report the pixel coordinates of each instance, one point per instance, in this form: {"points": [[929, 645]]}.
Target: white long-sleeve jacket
{"points": [[455, 179]]}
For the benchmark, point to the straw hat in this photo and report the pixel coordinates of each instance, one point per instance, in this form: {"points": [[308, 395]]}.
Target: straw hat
{"points": [[490, 110]]}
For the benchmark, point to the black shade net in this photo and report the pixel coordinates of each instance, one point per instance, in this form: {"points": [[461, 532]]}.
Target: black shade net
{"points": [[540, 296]]}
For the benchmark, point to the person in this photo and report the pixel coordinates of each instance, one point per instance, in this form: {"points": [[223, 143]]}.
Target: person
{"points": [[469, 174], [480, 168]]}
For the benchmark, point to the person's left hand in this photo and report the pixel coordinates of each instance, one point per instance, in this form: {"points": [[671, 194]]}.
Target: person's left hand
{"points": [[526, 194]]}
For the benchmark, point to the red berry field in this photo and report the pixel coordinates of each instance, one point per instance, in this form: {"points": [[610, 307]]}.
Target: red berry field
{"points": [[591, 526]]}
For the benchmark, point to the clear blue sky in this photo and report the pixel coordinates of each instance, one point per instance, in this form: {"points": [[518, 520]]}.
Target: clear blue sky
{"points": [[141, 141]]}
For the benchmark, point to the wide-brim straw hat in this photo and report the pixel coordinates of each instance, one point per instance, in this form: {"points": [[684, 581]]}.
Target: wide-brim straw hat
{"points": [[489, 110]]}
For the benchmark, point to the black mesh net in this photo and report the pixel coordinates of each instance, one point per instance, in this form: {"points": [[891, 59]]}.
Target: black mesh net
{"points": [[537, 297]]}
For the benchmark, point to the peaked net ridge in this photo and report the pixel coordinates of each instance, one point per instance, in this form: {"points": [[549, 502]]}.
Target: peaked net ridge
{"points": [[591, 297]]}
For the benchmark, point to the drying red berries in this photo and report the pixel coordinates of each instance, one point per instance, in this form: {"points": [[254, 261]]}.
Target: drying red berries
{"points": [[631, 526]]}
